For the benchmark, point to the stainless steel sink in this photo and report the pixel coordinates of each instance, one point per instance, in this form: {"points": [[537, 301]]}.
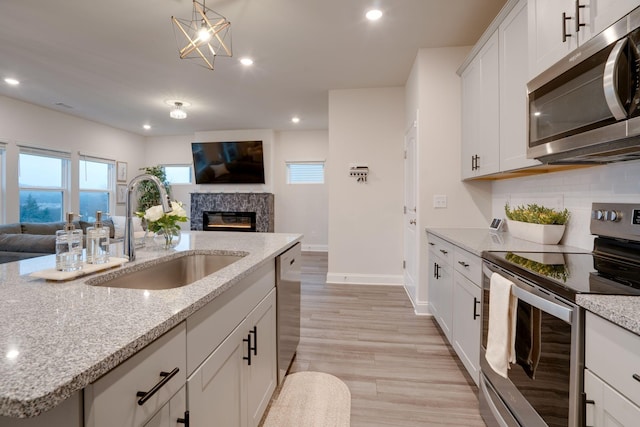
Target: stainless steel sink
{"points": [[173, 273]]}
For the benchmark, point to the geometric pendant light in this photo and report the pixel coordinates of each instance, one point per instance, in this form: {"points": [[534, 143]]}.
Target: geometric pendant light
{"points": [[203, 37]]}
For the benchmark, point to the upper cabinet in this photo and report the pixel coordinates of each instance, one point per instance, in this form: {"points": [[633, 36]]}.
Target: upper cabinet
{"points": [[513, 90], [556, 27], [480, 109], [494, 99]]}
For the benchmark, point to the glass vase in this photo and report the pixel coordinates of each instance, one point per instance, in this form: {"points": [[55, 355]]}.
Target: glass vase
{"points": [[167, 237]]}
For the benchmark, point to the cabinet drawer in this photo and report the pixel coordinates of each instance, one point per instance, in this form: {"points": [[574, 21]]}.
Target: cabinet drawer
{"points": [[112, 400], [441, 247], [209, 326], [468, 264], [605, 342]]}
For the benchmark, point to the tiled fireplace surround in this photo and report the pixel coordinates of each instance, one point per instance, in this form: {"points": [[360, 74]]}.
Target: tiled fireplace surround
{"points": [[260, 203]]}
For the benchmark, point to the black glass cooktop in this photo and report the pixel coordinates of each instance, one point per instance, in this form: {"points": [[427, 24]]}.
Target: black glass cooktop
{"points": [[569, 274]]}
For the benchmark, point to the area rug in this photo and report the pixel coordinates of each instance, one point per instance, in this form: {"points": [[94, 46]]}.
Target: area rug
{"points": [[311, 399]]}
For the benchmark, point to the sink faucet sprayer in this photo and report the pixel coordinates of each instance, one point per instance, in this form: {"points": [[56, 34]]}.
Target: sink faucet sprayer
{"points": [[129, 247]]}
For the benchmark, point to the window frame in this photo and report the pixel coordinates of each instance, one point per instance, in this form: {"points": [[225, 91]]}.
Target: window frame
{"points": [[65, 178], [111, 180], [186, 165]]}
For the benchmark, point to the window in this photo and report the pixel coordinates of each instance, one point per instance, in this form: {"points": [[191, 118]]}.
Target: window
{"points": [[178, 174], [305, 172], [95, 184], [43, 181]]}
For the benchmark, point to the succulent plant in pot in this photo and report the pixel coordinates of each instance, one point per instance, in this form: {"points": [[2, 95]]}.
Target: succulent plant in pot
{"points": [[536, 223]]}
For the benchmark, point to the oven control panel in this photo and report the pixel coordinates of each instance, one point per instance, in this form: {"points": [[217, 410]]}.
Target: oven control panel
{"points": [[621, 220]]}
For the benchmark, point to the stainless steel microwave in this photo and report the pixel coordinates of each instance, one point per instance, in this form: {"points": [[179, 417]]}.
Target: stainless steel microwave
{"points": [[586, 108]]}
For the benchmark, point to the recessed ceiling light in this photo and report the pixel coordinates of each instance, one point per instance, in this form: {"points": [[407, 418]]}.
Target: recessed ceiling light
{"points": [[295, 119], [12, 82], [373, 14], [246, 61], [146, 127]]}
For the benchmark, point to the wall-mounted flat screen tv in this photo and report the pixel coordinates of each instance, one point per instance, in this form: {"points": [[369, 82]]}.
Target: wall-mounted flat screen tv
{"points": [[234, 162]]}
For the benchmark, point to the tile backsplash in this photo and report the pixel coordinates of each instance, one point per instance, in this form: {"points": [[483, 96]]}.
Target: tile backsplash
{"points": [[574, 190]]}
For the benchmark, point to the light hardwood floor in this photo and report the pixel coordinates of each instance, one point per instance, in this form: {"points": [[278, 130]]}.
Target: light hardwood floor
{"points": [[399, 368]]}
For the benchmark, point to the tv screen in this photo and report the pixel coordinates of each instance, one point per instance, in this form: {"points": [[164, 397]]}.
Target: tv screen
{"points": [[235, 162]]}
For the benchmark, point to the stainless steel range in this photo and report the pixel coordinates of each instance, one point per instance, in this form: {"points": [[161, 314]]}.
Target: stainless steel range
{"points": [[544, 386]]}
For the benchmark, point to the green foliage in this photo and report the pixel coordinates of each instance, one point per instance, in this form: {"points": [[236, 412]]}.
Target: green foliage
{"points": [[536, 214], [554, 271], [30, 211], [148, 194]]}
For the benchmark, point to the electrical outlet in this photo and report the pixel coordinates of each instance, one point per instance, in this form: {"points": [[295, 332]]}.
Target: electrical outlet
{"points": [[439, 201]]}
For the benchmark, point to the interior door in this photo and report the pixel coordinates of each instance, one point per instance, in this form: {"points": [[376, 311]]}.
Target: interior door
{"points": [[410, 212]]}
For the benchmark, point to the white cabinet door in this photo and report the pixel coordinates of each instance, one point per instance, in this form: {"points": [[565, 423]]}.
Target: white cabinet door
{"points": [[466, 323], [435, 301], [600, 14], [232, 388], [217, 395], [514, 68], [443, 281], [546, 42], [605, 406], [480, 113], [262, 374], [173, 413]]}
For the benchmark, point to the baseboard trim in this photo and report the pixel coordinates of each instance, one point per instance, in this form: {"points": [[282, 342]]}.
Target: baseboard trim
{"points": [[419, 308], [314, 248], [364, 279]]}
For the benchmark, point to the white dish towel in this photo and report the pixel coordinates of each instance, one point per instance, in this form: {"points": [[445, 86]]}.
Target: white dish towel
{"points": [[501, 336]]}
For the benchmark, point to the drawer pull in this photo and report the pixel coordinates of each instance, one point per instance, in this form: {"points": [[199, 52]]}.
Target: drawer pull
{"points": [[464, 264], [636, 377], [184, 420], [443, 251], [248, 356], [146, 395], [255, 340], [476, 301], [431, 244]]}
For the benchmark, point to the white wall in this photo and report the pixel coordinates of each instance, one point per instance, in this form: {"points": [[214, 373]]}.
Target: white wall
{"points": [[301, 208], [574, 190], [365, 219], [22, 123], [433, 96], [298, 209]]}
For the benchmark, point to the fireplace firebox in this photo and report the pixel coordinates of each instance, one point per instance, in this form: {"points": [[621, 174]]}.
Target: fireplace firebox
{"points": [[228, 221]]}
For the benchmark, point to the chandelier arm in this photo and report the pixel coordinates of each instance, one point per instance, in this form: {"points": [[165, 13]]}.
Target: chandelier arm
{"points": [[192, 45], [204, 58], [217, 36]]}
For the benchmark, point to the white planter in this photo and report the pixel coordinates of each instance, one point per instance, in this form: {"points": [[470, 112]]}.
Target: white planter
{"points": [[538, 233]]}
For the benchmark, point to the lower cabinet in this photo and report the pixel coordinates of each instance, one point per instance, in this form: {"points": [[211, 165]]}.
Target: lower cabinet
{"points": [[235, 383], [173, 413], [441, 283], [605, 406], [466, 323]]}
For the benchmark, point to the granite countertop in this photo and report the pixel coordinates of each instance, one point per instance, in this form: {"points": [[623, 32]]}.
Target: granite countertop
{"points": [[624, 311], [57, 337], [477, 240]]}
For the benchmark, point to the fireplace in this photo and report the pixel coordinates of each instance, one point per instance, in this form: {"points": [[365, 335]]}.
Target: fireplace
{"points": [[228, 221], [260, 203]]}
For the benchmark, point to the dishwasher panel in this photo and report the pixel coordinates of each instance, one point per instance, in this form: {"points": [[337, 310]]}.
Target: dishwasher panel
{"points": [[288, 307]]}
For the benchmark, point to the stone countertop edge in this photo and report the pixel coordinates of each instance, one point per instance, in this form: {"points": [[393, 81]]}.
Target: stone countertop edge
{"points": [[22, 398], [478, 240], [622, 310]]}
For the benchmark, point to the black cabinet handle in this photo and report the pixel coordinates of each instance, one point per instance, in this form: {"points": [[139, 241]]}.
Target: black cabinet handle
{"points": [[437, 271], [464, 264], [184, 420], [431, 244], [636, 377], [146, 395], [476, 301], [255, 340], [565, 18], [248, 356], [443, 251], [578, 24]]}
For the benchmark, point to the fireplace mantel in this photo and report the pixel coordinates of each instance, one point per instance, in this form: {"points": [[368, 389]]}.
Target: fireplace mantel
{"points": [[260, 203]]}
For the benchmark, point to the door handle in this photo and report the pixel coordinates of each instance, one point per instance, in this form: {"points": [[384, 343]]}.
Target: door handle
{"points": [[184, 420], [412, 221], [578, 24], [609, 81], [146, 395], [254, 331], [476, 301], [565, 18], [248, 356]]}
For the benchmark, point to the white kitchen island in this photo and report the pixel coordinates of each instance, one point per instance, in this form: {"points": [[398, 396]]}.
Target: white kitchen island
{"points": [[57, 338]]}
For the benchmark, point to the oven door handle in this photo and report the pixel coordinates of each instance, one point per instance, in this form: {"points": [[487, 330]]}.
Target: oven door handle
{"points": [[556, 310]]}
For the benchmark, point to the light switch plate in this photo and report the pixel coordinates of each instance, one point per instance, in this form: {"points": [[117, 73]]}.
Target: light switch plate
{"points": [[439, 201]]}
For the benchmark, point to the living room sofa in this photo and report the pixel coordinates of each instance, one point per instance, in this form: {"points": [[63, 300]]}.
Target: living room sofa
{"points": [[30, 239]]}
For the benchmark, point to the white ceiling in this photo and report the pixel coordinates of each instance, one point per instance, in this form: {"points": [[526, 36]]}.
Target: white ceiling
{"points": [[116, 61]]}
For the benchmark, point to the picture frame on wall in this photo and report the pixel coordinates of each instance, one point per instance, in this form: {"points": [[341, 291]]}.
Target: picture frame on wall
{"points": [[121, 194], [121, 171]]}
